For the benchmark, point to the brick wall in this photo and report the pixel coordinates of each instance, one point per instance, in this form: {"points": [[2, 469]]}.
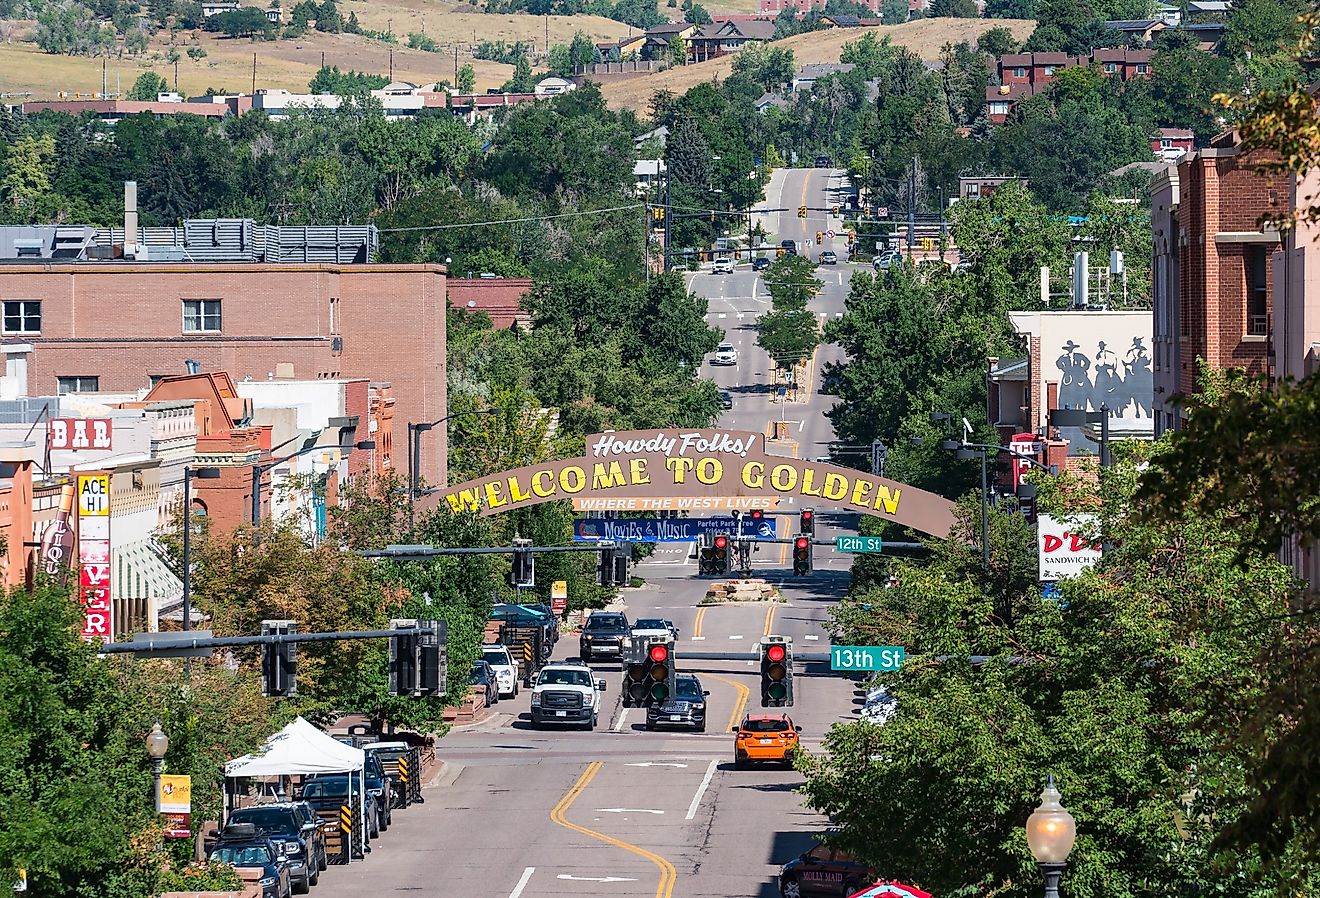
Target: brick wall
{"points": [[123, 322]]}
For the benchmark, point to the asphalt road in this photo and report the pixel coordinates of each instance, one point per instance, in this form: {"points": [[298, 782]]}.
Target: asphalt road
{"points": [[523, 813]]}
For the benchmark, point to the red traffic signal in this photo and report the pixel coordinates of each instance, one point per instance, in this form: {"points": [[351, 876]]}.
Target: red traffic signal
{"points": [[757, 514], [775, 653], [659, 653], [807, 524], [801, 542], [806, 515], [721, 542]]}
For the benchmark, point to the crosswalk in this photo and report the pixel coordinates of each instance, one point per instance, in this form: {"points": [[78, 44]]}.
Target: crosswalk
{"points": [[740, 314]]}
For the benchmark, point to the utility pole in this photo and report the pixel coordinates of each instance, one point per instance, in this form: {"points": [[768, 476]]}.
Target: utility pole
{"points": [[254, 71], [911, 204], [391, 63], [669, 214]]}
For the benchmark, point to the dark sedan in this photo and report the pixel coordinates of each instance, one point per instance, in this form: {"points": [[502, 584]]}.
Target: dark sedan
{"points": [[686, 709], [760, 263], [824, 872], [726, 399]]}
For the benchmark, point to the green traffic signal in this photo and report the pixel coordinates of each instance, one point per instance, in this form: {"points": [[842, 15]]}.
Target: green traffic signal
{"points": [[777, 691], [660, 692]]}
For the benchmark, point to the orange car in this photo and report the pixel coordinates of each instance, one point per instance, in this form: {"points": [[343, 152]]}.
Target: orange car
{"points": [[765, 737]]}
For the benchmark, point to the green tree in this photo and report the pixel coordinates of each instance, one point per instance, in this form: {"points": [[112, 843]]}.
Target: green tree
{"points": [[1262, 27], [1183, 85], [769, 66], [148, 86], [522, 81], [996, 42], [697, 15], [26, 177], [245, 22], [329, 80], [788, 336], [893, 12], [962, 9], [467, 79]]}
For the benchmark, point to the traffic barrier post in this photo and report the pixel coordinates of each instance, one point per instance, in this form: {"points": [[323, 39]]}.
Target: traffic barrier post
{"points": [[345, 834]]}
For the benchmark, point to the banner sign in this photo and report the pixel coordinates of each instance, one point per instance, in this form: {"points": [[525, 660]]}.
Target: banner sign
{"points": [[559, 596], [1066, 547], [699, 464], [81, 433], [698, 504], [176, 804], [672, 530], [94, 556]]}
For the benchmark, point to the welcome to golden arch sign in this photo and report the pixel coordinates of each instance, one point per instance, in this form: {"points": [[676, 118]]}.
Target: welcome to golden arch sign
{"points": [[699, 464]]}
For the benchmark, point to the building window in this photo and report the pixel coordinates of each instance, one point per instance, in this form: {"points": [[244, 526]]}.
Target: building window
{"points": [[999, 108], [153, 379], [1142, 68], [78, 383], [1110, 68], [22, 316], [201, 316], [1049, 71], [1257, 291], [1019, 72], [334, 313]]}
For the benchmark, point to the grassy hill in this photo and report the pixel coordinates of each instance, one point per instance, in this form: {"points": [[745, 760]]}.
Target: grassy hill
{"points": [[290, 64], [924, 37]]}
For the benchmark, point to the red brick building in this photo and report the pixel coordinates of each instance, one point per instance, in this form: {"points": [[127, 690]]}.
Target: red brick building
{"points": [[499, 298], [121, 326], [1213, 270], [1022, 75]]}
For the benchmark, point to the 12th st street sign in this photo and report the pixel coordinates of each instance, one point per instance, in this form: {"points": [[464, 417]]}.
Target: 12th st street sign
{"points": [[866, 657], [858, 544]]}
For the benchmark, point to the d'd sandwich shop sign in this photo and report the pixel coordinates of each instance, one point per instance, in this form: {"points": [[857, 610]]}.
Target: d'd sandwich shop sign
{"points": [[1067, 547]]}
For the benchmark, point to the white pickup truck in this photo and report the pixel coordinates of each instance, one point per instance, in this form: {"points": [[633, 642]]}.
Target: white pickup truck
{"points": [[566, 692]]}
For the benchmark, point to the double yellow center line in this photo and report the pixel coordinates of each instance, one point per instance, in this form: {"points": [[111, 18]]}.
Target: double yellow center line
{"points": [[668, 875], [700, 619]]}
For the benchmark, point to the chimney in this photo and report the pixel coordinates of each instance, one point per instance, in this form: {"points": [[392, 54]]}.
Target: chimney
{"points": [[130, 219]]}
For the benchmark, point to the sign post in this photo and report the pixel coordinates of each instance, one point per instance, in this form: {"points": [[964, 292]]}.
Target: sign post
{"points": [[866, 657]]}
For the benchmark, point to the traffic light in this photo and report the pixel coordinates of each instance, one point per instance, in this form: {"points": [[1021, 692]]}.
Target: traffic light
{"points": [[524, 564], [279, 661], [820, 236], [405, 657], [620, 570], [605, 566], [659, 671], [636, 684], [756, 515], [706, 561], [807, 523], [658, 213], [721, 551], [802, 211], [776, 672], [834, 210], [433, 657], [802, 556]]}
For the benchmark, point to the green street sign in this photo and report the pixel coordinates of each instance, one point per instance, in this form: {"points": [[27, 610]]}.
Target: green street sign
{"points": [[858, 544], [866, 657]]}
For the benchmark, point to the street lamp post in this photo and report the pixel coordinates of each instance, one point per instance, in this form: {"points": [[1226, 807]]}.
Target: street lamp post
{"points": [[157, 745], [1077, 417], [415, 431], [1051, 831], [189, 473], [964, 451]]}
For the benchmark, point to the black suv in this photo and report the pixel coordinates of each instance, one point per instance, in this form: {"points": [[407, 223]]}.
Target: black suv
{"points": [[241, 845], [325, 791], [604, 634], [687, 708], [296, 831]]}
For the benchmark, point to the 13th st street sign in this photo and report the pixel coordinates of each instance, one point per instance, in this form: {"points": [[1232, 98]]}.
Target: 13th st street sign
{"points": [[866, 657]]}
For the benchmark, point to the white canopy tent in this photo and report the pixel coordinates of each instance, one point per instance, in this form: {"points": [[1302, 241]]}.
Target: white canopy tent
{"points": [[300, 749]]}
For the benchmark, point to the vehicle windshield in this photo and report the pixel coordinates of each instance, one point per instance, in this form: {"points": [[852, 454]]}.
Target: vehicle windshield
{"points": [[765, 726], [245, 856], [266, 820], [689, 690], [650, 623], [494, 658], [724, 347], [478, 672], [328, 788], [565, 678], [603, 622]]}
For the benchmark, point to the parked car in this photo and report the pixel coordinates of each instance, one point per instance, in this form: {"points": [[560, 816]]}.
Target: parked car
{"points": [[566, 693], [686, 708], [654, 626], [328, 791], [887, 259], [880, 707], [765, 737], [242, 846], [722, 266], [824, 872], [553, 630], [725, 354], [295, 829], [603, 634], [505, 669], [828, 257], [726, 399], [483, 676], [760, 263]]}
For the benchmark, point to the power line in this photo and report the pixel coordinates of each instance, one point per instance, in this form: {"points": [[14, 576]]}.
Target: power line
{"points": [[499, 221]]}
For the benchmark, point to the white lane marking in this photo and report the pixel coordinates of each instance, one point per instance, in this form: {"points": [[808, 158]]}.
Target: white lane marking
{"points": [[628, 811], [809, 636], [701, 790], [623, 715], [736, 637], [522, 883], [655, 764], [697, 638], [595, 878]]}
